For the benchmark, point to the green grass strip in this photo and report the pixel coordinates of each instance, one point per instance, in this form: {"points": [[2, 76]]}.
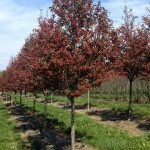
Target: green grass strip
{"points": [[9, 138], [138, 109]]}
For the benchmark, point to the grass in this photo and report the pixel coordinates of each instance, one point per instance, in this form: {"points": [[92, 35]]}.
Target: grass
{"points": [[9, 138], [95, 134], [138, 109]]}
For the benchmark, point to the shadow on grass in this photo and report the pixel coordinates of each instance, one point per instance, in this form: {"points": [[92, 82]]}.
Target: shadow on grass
{"points": [[117, 115], [111, 115], [144, 125], [2, 108], [77, 107], [40, 133]]}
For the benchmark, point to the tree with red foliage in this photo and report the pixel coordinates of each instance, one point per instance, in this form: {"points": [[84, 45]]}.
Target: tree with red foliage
{"points": [[9, 80], [41, 56], [30, 67], [83, 49], [133, 45], [2, 82], [146, 20]]}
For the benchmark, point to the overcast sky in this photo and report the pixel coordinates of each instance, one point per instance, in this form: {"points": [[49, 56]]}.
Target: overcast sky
{"points": [[19, 17]]}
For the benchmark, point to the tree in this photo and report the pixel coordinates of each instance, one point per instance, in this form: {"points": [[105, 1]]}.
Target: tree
{"points": [[84, 49], [133, 44], [146, 20], [41, 56], [33, 82]]}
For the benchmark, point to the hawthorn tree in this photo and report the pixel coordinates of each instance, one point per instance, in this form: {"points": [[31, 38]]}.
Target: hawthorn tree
{"points": [[41, 56], [83, 49], [12, 78], [31, 67], [146, 20], [133, 45]]}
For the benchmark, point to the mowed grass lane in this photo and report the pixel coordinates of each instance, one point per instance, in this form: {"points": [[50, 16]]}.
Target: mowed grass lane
{"points": [[9, 138], [141, 110]]}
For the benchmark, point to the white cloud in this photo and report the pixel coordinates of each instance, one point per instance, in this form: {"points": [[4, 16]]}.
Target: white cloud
{"points": [[115, 7], [16, 23]]}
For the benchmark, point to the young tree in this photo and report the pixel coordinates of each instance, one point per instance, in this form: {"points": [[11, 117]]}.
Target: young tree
{"points": [[133, 44], [83, 46]]}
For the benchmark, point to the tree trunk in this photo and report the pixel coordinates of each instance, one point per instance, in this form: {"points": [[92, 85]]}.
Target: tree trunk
{"points": [[25, 100], [20, 98], [6, 97], [72, 123], [130, 97], [65, 101], [15, 99], [10, 100], [34, 102], [51, 98], [88, 102], [45, 105]]}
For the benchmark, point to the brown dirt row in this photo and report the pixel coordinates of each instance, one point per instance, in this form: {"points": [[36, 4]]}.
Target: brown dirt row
{"points": [[40, 134], [106, 116]]}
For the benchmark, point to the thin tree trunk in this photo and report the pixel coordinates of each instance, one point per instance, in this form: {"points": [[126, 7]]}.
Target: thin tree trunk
{"points": [[88, 102], [65, 101], [20, 99], [45, 105], [25, 100], [10, 100], [15, 99], [34, 102], [130, 97], [6, 97], [51, 98], [28, 95], [72, 124]]}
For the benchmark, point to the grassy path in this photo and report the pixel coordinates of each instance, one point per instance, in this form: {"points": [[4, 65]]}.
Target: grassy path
{"points": [[93, 133], [141, 110], [9, 138]]}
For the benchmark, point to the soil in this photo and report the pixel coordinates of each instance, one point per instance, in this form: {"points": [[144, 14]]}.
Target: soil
{"points": [[39, 134], [134, 126]]}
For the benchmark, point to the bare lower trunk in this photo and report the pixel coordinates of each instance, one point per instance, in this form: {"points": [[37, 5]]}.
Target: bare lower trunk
{"points": [[72, 123], [15, 99], [34, 102], [45, 105], [51, 98], [20, 98], [65, 101], [88, 102], [130, 97], [6, 97], [25, 100], [11, 100]]}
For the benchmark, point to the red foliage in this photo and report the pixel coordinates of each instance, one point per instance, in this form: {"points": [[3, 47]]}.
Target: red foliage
{"points": [[134, 46]]}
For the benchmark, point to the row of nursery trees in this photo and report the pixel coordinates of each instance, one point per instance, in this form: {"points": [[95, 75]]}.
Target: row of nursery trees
{"points": [[116, 89], [77, 49]]}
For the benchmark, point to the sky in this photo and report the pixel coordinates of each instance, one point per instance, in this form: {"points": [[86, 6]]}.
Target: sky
{"points": [[19, 17]]}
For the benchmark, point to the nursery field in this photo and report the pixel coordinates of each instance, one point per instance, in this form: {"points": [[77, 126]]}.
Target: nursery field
{"points": [[79, 81], [106, 134], [9, 138], [138, 109]]}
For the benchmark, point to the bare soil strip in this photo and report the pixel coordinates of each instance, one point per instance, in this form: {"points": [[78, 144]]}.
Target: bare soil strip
{"points": [[106, 116], [38, 134]]}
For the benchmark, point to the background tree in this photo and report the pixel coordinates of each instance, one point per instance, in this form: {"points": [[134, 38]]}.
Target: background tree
{"points": [[133, 49]]}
